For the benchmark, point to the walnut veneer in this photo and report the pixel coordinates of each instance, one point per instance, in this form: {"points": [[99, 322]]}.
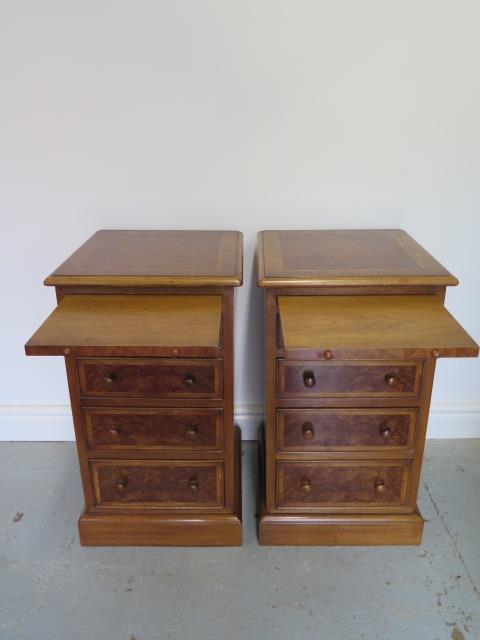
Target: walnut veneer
{"points": [[354, 323], [145, 323]]}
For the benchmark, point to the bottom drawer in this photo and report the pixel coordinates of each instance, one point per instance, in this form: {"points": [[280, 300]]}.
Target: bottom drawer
{"points": [[342, 484], [159, 483]]}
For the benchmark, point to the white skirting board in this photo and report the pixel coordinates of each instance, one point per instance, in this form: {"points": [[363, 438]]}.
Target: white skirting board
{"points": [[52, 423]]}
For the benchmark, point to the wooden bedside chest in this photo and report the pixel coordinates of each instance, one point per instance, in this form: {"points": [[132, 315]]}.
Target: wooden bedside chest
{"points": [[354, 323], [145, 322]]}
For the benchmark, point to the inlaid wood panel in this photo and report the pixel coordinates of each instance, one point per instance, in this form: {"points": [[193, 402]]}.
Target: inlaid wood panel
{"points": [[342, 484], [348, 378], [163, 378], [345, 429], [154, 257], [154, 428], [157, 483], [346, 257]]}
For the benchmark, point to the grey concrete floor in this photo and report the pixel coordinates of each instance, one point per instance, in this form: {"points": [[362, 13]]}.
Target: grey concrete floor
{"points": [[51, 588]]}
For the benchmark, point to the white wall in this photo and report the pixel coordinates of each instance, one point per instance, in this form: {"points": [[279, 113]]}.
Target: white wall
{"points": [[242, 115]]}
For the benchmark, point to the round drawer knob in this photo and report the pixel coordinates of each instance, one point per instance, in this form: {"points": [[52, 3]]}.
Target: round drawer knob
{"points": [[309, 379], [189, 379], [390, 379], [327, 354], [306, 485], [115, 431], [436, 353], [380, 486], [121, 484], [308, 431], [191, 430], [193, 484], [109, 378], [385, 431]]}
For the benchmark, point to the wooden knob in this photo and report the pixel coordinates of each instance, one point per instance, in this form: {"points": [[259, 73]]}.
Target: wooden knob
{"points": [[67, 351], [309, 379], [189, 379], [390, 379], [380, 486], [308, 431], [191, 430], [115, 431], [193, 484], [121, 483], [306, 485], [109, 378], [435, 353], [385, 431], [175, 352], [327, 354]]}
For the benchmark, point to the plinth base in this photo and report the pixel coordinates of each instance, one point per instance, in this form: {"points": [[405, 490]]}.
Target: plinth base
{"points": [[170, 530], [332, 529], [335, 529]]}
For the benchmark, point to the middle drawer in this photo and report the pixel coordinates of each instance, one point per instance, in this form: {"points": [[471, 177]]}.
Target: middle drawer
{"points": [[153, 428], [345, 429]]}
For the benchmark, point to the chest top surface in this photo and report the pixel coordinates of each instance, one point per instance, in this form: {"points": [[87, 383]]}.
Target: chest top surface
{"points": [[153, 257], [346, 257]]}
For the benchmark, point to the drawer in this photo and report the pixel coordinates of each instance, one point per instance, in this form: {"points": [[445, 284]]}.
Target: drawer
{"points": [[349, 378], [345, 429], [154, 428], [342, 484], [163, 378], [160, 483]]}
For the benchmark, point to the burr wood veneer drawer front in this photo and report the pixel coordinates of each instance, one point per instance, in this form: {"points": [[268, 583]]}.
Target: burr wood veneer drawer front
{"points": [[363, 483], [163, 378], [154, 428], [349, 378], [158, 483], [345, 429]]}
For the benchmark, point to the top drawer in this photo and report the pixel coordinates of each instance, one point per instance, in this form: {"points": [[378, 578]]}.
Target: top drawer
{"points": [[162, 378], [349, 378]]}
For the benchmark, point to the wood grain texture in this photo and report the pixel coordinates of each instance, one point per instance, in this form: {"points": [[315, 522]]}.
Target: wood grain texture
{"points": [[167, 378], [323, 528], [348, 378], [177, 529], [154, 257], [354, 324], [340, 529], [131, 325], [160, 483], [345, 429], [346, 257], [271, 312], [154, 429], [145, 322], [230, 431], [421, 432], [342, 484], [154, 529], [362, 326], [80, 435]]}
